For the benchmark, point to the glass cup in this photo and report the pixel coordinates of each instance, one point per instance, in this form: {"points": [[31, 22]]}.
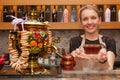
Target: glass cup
{"points": [[92, 48]]}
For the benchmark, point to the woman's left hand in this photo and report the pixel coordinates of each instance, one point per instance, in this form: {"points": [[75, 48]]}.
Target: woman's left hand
{"points": [[102, 55]]}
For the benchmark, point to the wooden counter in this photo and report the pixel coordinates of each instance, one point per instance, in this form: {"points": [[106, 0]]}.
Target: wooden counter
{"points": [[65, 75]]}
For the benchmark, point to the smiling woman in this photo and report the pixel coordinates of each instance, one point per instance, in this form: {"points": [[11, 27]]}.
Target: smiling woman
{"points": [[90, 20]]}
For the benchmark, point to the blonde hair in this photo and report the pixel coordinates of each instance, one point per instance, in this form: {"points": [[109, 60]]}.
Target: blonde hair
{"points": [[90, 7]]}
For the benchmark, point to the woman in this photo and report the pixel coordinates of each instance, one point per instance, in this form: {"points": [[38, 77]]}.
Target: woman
{"points": [[90, 19]]}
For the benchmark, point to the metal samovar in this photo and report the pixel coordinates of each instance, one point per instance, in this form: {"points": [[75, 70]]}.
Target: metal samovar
{"points": [[26, 45], [40, 35], [29, 42]]}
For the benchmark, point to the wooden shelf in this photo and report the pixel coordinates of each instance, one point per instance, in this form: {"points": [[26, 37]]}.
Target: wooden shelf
{"points": [[57, 2], [76, 25], [5, 26], [60, 25], [66, 26]]}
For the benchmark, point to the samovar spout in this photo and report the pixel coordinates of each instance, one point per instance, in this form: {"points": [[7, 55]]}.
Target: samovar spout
{"points": [[56, 51]]}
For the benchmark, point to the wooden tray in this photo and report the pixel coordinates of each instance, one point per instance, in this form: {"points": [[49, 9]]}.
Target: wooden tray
{"points": [[8, 71]]}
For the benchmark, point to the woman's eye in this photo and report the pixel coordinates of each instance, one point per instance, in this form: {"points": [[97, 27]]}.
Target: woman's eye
{"points": [[90, 18], [84, 19], [93, 17]]}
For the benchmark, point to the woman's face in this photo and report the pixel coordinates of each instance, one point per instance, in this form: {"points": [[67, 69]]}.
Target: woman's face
{"points": [[90, 21]]}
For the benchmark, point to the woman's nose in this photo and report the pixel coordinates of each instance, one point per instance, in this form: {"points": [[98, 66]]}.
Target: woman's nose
{"points": [[89, 21]]}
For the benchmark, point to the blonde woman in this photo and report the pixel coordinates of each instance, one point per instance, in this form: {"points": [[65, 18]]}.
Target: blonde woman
{"points": [[90, 20]]}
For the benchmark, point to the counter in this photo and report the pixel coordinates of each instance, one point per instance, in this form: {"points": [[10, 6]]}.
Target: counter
{"points": [[92, 75], [67, 75]]}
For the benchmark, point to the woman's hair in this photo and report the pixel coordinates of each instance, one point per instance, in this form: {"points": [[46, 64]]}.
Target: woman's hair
{"points": [[90, 7]]}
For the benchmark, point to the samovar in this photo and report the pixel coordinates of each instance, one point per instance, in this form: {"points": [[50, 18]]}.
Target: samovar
{"points": [[26, 45], [31, 40]]}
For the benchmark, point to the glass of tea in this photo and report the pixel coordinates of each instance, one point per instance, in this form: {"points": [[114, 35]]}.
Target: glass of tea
{"points": [[92, 48]]}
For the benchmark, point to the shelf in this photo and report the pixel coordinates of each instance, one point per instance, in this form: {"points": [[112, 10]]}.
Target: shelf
{"points": [[76, 25], [57, 2], [61, 25], [66, 26], [5, 26]]}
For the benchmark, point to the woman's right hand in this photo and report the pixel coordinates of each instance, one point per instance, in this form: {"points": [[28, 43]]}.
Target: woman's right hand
{"points": [[79, 53]]}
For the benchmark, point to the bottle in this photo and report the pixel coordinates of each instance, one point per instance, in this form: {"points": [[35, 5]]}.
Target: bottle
{"points": [[19, 12], [41, 15], [102, 14], [11, 12], [40, 60], [52, 59], [60, 14], [54, 15], [33, 13], [73, 14], [65, 15], [107, 15], [119, 15], [25, 11], [47, 14], [113, 14], [46, 61], [100, 7], [5, 13]]}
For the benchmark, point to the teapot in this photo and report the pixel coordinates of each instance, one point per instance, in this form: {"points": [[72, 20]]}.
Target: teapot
{"points": [[67, 62]]}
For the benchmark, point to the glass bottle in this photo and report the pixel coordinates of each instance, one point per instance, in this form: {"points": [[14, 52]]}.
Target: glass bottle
{"points": [[113, 14], [40, 60], [47, 13], [100, 7], [46, 61], [19, 12], [54, 15], [60, 14], [102, 14], [52, 59], [73, 14], [5, 13], [41, 15], [119, 15], [65, 15], [11, 12], [26, 11], [33, 13], [107, 15]]}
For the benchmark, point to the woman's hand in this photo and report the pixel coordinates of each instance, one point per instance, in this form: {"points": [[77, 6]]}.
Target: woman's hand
{"points": [[79, 53], [102, 55]]}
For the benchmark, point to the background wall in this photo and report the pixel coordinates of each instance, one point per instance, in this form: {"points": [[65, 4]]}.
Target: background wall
{"points": [[65, 36]]}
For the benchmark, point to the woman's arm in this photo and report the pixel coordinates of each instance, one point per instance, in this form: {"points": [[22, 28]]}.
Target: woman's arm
{"points": [[110, 59], [111, 52]]}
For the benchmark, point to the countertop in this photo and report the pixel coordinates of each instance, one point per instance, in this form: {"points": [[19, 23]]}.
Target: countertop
{"points": [[68, 75]]}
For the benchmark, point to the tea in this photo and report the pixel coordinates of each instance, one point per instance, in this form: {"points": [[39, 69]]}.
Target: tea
{"points": [[92, 48]]}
